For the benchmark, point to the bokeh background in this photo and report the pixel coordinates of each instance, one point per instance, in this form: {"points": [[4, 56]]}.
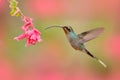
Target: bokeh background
{"points": [[54, 58]]}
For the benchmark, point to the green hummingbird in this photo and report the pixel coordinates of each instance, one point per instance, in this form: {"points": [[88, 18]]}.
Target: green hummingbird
{"points": [[77, 41]]}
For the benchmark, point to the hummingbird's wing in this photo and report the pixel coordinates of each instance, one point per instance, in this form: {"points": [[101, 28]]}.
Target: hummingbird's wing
{"points": [[89, 35]]}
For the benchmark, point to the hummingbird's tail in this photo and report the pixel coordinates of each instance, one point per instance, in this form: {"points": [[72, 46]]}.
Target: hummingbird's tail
{"points": [[100, 61]]}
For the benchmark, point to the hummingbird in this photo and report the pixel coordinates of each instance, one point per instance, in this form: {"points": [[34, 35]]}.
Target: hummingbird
{"points": [[77, 40]]}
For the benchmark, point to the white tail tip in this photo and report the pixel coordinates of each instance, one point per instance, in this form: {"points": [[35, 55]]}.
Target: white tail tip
{"points": [[102, 63]]}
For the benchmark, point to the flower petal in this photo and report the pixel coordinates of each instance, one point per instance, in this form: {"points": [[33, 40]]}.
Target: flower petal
{"points": [[27, 43], [22, 36]]}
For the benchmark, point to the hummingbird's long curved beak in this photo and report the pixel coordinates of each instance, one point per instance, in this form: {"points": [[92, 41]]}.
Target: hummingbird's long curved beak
{"points": [[53, 26]]}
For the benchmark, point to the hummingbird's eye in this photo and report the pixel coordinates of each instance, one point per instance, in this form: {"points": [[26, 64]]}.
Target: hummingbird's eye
{"points": [[68, 29]]}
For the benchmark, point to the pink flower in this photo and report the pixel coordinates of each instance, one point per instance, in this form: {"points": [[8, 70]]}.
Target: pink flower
{"points": [[32, 37], [27, 23], [30, 33]]}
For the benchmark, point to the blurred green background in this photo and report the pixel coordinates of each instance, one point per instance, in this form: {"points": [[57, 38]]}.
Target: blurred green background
{"points": [[54, 58]]}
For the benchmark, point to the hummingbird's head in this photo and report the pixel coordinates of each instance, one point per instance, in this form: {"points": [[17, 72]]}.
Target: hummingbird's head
{"points": [[67, 29]]}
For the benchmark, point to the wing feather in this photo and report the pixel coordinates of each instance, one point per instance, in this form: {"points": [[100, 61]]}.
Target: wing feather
{"points": [[89, 35]]}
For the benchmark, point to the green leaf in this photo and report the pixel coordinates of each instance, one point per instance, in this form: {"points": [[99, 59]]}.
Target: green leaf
{"points": [[12, 11], [13, 4], [17, 15]]}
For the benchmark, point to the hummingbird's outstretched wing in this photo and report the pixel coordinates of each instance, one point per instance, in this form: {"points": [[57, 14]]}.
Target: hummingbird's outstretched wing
{"points": [[89, 35]]}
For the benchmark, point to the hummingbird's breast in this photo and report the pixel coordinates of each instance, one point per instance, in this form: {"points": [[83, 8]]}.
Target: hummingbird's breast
{"points": [[74, 41], [75, 44]]}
